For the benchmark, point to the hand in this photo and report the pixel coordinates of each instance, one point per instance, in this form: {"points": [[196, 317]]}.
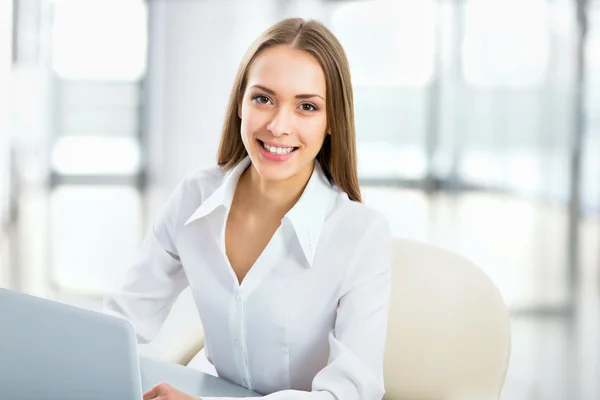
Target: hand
{"points": [[165, 391]]}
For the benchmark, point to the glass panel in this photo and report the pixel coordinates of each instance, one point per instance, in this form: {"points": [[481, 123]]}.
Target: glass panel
{"points": [[590, 196], [99, 39], [516, 116], [99, 94], [5, 67], [500, 30], [517, 242], [105, 121], [78, 155], [388, 42], [89, 254], [591, 145], [390, 126], [390, 47]]}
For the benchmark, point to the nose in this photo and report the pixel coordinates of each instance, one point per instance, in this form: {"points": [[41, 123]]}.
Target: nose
{"points": [[281, 123]]}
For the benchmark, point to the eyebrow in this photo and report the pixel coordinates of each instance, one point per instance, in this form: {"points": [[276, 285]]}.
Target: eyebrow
{"points": [[298, 96]]}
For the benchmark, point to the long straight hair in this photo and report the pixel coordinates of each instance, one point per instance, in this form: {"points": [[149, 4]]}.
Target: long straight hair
{"points": [[338, 153]]}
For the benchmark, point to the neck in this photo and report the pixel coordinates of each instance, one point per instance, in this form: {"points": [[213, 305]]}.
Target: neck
{"points": [[267, 196]]}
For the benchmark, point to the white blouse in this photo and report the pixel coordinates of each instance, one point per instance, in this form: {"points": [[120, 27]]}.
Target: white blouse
{"points": [[309, 319]]}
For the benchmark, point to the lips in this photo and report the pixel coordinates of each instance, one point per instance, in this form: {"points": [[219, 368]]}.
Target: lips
{"points": [[276, 152], [279, 149]]}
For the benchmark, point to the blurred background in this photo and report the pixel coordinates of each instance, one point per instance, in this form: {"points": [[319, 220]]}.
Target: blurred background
{"points": [[478, 127]]}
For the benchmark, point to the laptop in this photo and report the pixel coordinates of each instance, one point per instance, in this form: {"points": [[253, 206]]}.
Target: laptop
{"points": [[54, 351]]}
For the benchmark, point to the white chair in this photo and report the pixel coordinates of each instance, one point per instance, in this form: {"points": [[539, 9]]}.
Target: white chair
{"points": [[449, 330], [187, 346], [448, 334]]}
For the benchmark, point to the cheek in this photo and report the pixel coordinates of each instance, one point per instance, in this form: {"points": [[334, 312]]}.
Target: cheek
{"points": [[252, 122], [313, 133]]}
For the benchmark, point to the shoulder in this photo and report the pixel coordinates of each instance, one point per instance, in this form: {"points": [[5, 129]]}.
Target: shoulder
{"points": [[365, 237], [357, 218], [195, 187], [203, 180], [356, 227]]}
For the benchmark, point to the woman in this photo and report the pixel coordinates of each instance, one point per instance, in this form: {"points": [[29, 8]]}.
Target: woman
{"points": [[289, 271]]}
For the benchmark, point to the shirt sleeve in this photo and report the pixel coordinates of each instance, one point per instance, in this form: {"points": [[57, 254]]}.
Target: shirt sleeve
{"points": [[154, 279], [357, 343]]}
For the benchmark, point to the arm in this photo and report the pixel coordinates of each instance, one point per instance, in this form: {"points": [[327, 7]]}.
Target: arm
{"points": [[357, 343], [155, 279]]}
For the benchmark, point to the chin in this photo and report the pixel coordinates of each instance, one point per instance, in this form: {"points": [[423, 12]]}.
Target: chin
{"points": [[274, 172]]}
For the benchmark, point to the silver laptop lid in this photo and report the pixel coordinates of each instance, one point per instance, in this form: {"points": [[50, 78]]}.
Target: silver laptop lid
{"points": [[54, 351]]}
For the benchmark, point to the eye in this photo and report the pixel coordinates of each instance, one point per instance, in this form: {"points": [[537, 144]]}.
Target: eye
{"points": [[308, 107], [261, 99]]}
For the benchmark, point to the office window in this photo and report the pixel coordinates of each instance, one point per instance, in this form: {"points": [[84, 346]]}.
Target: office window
{"points": [[593, 46], [5, 101], [388, 43], [88, 254], [95, 155], [506, 42], [390, 46], [99, 39], [591, 146]]}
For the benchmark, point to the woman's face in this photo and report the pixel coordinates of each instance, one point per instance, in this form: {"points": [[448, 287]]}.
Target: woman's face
{"points": [[283, 112]]}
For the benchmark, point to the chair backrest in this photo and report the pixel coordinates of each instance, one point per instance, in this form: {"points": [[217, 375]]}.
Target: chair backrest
{"points": [[449, 329]]}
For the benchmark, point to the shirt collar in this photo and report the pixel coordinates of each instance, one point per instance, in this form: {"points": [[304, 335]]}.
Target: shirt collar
{"points": [[309, 213], [307, 217], [223, 196]]}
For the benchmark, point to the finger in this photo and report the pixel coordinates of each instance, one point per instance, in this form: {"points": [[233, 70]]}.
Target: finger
{"points": [[150, 394], [154, 393]]}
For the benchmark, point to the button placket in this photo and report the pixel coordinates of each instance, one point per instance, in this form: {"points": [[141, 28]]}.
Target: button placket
{"points": [[262, 267], [239, 341]]}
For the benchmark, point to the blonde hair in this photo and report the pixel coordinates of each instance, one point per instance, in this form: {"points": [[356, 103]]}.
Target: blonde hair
{"points": [[338, 154]]}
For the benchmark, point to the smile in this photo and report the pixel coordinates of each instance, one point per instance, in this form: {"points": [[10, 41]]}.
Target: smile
{"points": [[277, 150]]}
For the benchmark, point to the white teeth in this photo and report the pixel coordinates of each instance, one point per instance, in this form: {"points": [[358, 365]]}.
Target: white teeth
{"points": [[278, 150]]}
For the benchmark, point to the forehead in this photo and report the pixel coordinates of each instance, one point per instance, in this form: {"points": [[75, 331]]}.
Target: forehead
{"points": [[287, 71]]}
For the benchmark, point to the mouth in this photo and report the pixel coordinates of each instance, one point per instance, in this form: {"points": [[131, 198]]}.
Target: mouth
{"points": [[277, 150]]}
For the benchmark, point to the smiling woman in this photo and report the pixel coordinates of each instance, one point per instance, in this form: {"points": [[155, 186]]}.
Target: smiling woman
{"points": [[277, 118], [289, 270], [297, 85]]}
